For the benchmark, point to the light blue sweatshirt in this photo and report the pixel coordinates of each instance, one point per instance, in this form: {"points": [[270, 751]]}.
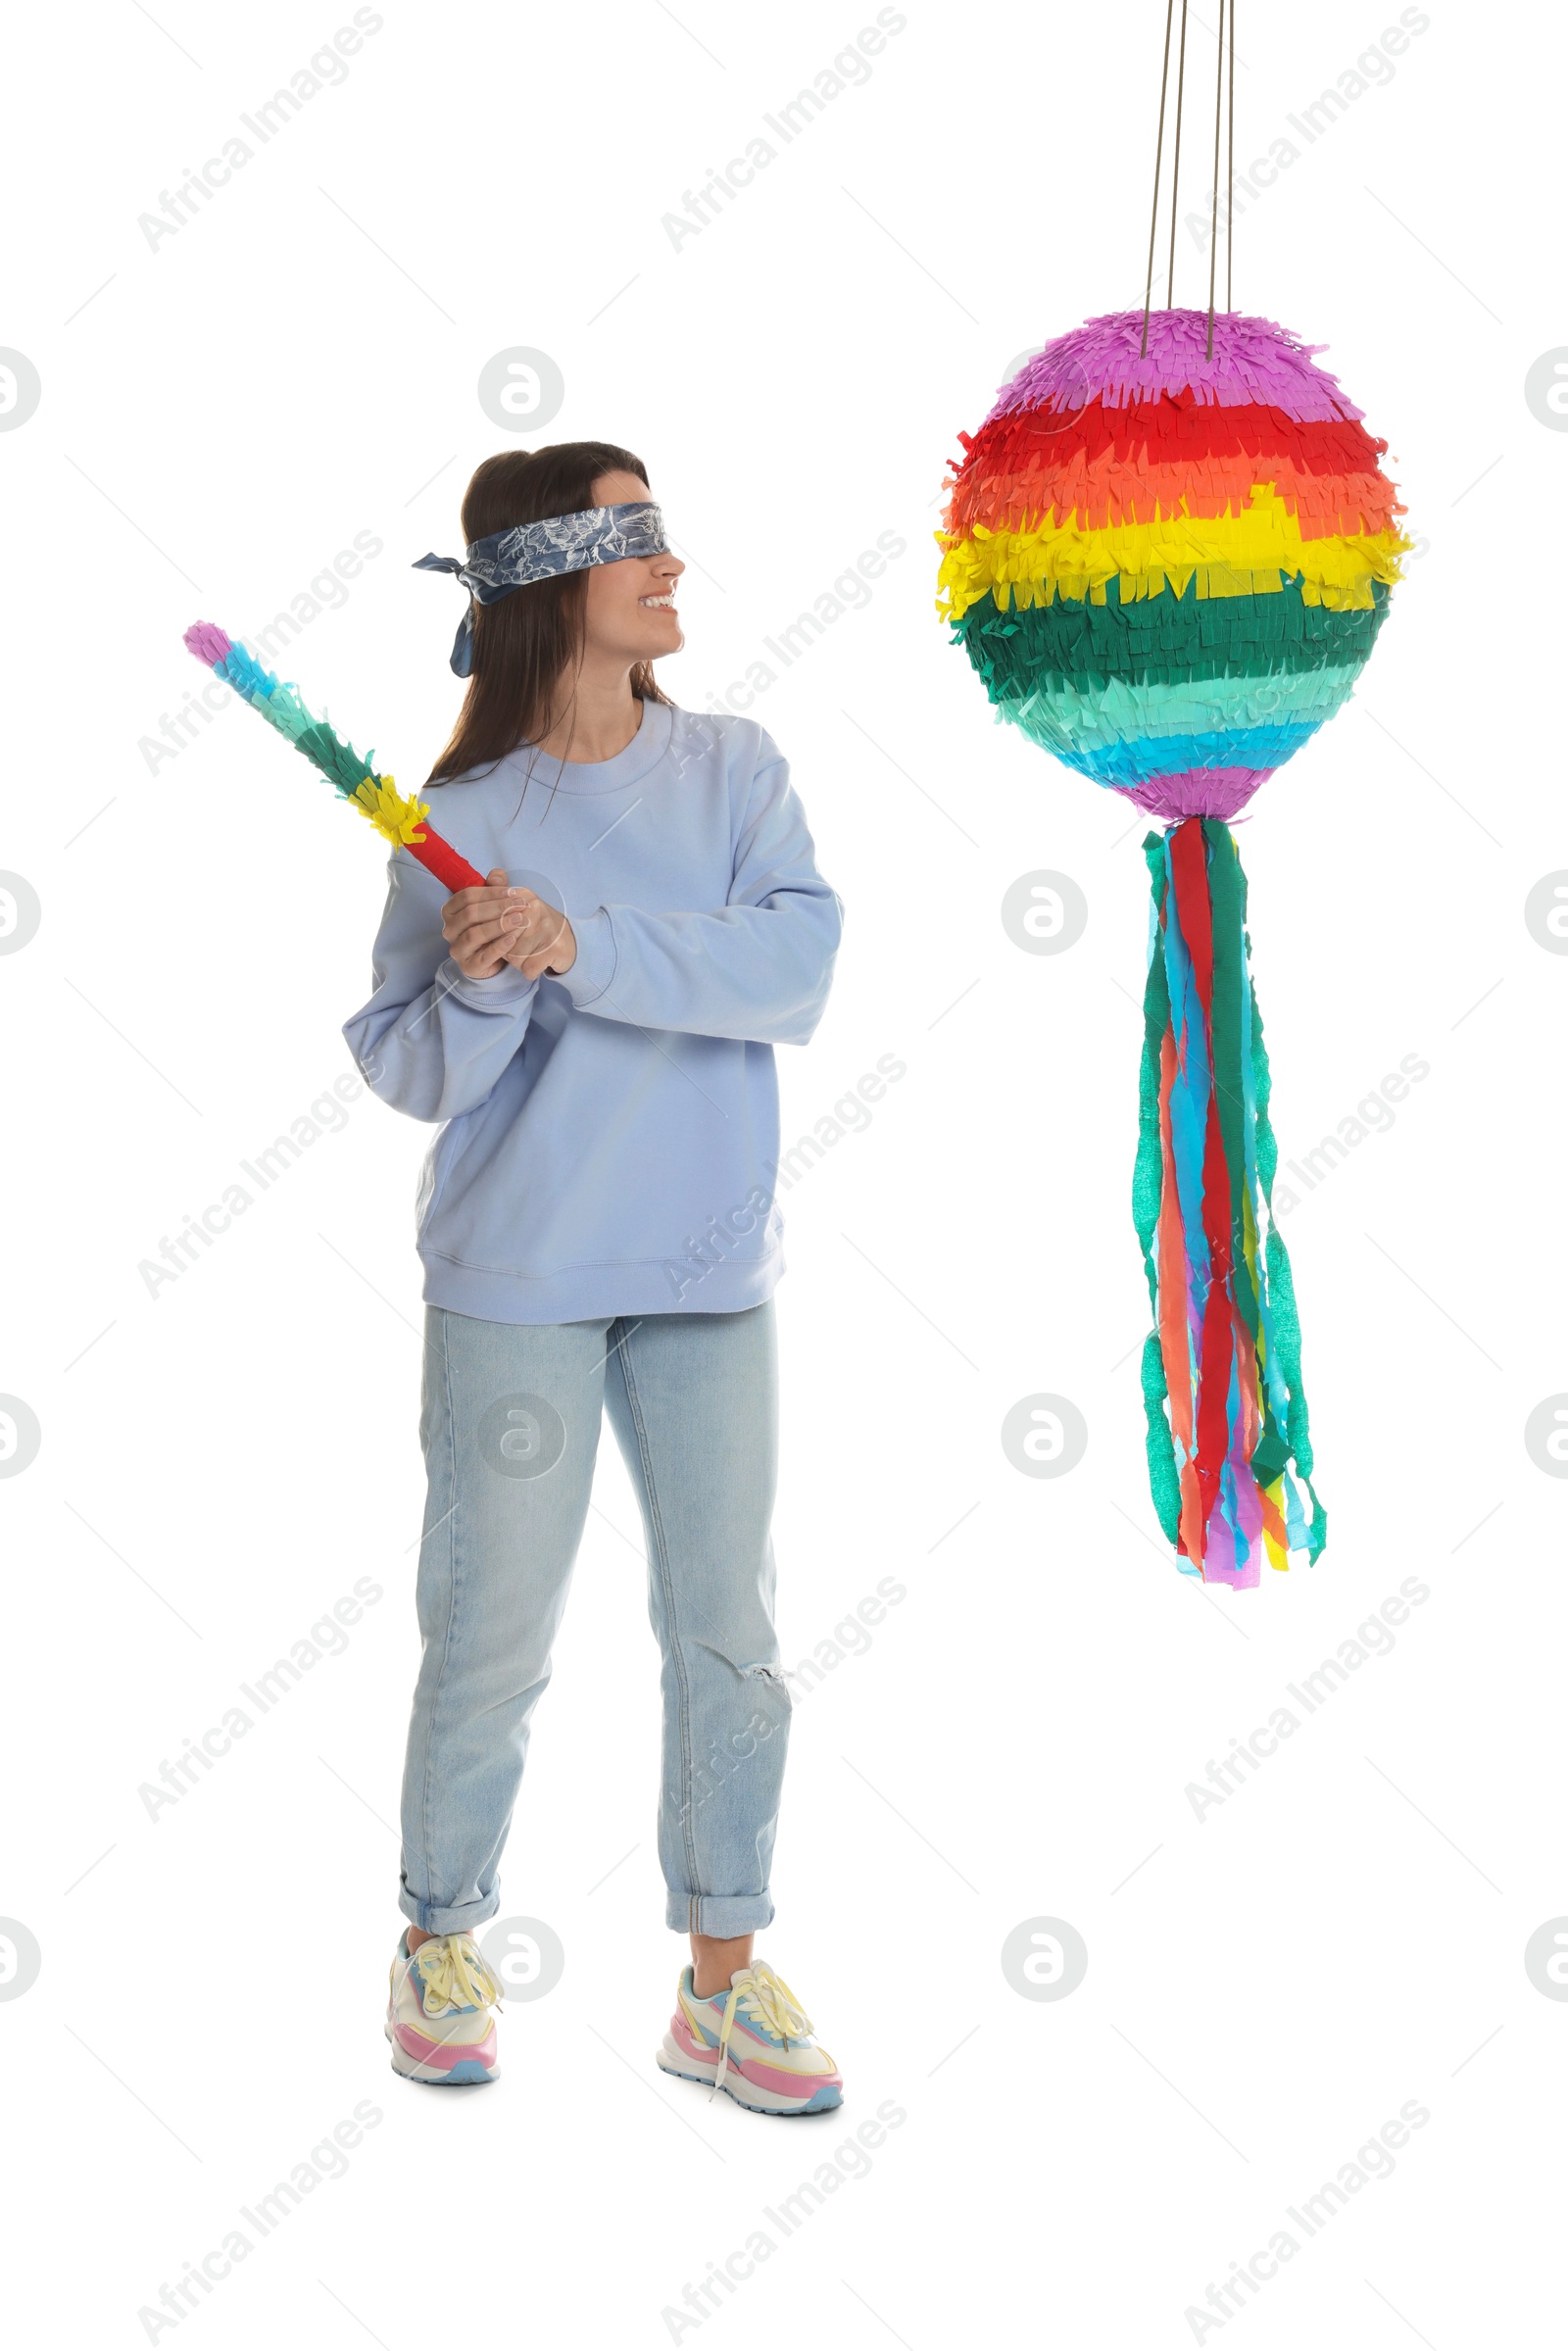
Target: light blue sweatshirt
{"points": [[610, 1135]]}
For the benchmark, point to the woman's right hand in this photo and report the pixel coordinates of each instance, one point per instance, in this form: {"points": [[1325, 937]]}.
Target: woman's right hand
{"points": [[478, 924]]}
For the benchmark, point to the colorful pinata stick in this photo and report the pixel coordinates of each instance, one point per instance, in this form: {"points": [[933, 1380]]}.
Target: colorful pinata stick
{"points": [[399, 820]]}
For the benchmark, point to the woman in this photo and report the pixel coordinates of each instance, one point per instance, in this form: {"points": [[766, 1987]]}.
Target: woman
{"points": [[593, 1028]]}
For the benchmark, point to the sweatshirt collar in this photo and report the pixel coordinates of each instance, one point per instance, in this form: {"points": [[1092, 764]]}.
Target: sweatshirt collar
{"points": [[642, 754]]}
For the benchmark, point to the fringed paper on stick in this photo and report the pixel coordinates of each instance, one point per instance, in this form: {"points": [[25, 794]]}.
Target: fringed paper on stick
{"points": [[399, 819]]}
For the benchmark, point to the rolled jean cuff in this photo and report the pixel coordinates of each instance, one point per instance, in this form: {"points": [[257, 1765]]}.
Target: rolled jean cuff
{"points": [[719, 1915], [436, 1918]]}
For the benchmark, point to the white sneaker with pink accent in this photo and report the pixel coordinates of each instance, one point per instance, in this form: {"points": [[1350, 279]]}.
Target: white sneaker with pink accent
{"points": [[754, 2042], [438, 2012]]}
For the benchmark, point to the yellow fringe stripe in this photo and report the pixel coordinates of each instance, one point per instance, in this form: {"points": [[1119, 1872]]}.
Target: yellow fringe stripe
{"points": [[397, 820], [1278, 1555], [1250, 553]]}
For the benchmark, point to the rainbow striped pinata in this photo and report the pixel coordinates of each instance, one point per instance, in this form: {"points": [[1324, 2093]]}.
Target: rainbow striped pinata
{"points": [[1167, 553]]}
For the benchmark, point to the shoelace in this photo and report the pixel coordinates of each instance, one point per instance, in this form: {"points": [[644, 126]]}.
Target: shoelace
{"points": [[449, 1978], [761, 1994]]}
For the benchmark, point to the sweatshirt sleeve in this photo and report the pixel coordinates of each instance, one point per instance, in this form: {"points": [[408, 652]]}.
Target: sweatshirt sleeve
{"points": [[430, 1041], [758, 967]]}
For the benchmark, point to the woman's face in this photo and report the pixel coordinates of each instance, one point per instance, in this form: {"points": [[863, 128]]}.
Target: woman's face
{"points": [[631, 604]]}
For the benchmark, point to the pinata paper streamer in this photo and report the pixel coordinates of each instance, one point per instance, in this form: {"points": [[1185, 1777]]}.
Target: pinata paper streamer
{"points": [[1167, 553], [396, 817]]}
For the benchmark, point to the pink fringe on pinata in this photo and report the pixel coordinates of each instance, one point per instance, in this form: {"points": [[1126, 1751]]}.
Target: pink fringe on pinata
{"points": [[1254, 364], [1197, 791]]}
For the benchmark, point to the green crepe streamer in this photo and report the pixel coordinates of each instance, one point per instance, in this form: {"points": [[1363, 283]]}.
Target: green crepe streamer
{"points": [[1165, 1484], [1283, 1313]]}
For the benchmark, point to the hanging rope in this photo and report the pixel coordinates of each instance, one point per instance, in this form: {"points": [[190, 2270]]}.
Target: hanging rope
{"points": [[1153, 209], [1213, 214], [1230, 164], [1176, 158], [1224, 122]]}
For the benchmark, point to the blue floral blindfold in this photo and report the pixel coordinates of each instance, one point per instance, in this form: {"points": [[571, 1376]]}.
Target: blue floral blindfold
{"points": [[530, 551]]}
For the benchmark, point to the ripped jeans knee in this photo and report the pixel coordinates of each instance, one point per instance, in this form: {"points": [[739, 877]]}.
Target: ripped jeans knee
{"points": [[766, 1704]]}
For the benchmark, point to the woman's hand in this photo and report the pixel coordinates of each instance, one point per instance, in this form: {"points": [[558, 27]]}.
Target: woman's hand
{"points": [[499, 925], [538, 936]]}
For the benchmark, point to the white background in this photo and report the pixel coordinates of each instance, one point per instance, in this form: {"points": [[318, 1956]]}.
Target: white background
{"points": [[1344, 1934]]}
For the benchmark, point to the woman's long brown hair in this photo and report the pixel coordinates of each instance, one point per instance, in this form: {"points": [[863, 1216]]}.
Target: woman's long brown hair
{"points": [[529, 646]]}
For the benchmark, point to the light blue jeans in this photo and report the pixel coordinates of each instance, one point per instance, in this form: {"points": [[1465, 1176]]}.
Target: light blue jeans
{"points": [[509, 1425]]}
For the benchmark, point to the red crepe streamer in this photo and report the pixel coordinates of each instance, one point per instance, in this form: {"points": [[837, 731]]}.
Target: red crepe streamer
{"points": [[1189, 867]]}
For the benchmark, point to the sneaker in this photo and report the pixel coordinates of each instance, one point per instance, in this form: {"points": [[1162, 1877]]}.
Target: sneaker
{"points": [[753, 2041], [438, 2012]]}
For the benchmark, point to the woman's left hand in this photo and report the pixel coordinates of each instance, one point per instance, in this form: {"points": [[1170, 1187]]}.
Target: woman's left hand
{"points": [[537, 936]]}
